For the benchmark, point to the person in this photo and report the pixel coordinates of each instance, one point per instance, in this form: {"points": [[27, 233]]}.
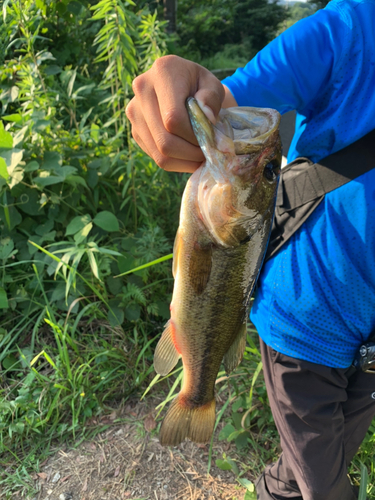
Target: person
{"points": [[315, 302]]}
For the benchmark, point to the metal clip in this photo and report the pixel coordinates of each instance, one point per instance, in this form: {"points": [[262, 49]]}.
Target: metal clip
{"points": [[365, 358]]}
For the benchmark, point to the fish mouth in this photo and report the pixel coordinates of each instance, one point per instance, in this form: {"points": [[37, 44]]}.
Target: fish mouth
{"points": [[243, 130], [252, 128]]}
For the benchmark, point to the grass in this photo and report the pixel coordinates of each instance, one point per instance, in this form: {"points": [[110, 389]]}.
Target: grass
{"points": [[54, 397], [84, 368]]}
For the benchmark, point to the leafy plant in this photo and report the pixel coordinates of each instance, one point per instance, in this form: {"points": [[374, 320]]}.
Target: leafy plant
{"points": [[76, 204]]}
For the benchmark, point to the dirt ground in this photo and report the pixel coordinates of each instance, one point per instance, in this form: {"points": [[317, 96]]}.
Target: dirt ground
{"points": [[126, 461]]}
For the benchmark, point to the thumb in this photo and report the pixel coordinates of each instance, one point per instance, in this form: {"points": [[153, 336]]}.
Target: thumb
{"points": [[210, 95]]}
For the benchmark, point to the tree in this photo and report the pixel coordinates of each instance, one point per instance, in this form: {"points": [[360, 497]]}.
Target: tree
{"points": [[257, 21], [319, 4], [204, 27], [170, 15]]}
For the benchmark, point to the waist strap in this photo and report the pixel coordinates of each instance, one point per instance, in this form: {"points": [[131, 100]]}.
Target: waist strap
{"points": [[303, 185]]}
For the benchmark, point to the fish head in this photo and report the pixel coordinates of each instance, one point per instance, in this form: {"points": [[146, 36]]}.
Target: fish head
{"points": [[238, 181]]}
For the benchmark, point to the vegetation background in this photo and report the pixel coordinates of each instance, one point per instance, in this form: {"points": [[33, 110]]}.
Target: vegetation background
{"points": [[81, 204]]}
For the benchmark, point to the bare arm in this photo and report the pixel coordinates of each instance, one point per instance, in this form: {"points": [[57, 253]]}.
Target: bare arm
{"points": [[160, 123], [229, 100]]}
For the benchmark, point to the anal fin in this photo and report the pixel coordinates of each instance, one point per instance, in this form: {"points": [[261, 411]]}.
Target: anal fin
{"points": [[166, 355], [233, 357]]}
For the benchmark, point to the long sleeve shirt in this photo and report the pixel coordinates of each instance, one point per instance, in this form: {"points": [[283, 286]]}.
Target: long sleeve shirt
{"points": [[316, 297]]}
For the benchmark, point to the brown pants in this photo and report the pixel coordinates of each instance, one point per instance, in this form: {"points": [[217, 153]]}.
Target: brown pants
{"points": [[322, 417]]}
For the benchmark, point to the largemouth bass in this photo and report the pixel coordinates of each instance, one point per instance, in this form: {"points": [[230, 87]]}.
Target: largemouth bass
{"points": [[225, 222]]}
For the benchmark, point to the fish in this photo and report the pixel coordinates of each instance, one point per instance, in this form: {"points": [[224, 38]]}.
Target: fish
{"points": [[225, 222]]}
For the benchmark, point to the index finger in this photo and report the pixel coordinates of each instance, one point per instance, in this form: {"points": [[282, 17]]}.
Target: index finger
{"points": [[176, 86]]}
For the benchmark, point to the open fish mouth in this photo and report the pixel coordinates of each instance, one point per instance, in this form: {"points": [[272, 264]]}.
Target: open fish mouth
{"points": [[249, 128]]}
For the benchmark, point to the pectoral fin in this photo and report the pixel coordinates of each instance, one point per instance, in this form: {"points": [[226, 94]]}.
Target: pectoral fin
{"points": [[235, 353], [200, 267], [166, 355]]}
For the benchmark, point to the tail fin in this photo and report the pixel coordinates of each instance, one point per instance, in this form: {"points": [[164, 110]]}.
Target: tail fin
{"points": [[183, 422]]}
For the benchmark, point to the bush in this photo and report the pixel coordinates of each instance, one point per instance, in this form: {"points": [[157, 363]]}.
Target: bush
{"points": [[79, 204]]}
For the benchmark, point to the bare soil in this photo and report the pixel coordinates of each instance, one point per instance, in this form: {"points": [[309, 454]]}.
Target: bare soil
{"points": [[126, 461]]}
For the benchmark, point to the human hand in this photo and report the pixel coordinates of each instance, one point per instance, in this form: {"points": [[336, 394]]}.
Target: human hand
{"points": [[160, 122]]}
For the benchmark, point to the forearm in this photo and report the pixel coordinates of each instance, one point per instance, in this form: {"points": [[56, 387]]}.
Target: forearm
{"points": [[229, 100]]}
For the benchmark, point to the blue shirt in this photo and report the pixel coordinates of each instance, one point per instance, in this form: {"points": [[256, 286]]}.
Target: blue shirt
{"points": [[316, 297]]}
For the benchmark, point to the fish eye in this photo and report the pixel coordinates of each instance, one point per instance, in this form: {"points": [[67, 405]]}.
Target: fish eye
{"points": [[271, 171]]}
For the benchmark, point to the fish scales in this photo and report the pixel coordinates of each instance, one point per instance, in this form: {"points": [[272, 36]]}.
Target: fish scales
{"points": [[225, 222]]}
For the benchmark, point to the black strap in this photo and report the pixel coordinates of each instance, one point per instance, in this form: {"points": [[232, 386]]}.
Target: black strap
{"points": [[303, 185]]}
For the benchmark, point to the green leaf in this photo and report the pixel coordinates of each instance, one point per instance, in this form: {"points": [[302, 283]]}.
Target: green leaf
{"points": [[52, 70], [83, 233], [12, 158], [246, 484], [71, 82], [223, 464], [93, 263], [3, 299], [32, 166], [74, 180], [233, 465], [66, 171], [28, 202], [132, 312], [364, 481], [95, 132], [10, 95], [33, 239], [236, 420], [61, 8], [12, 118], [115, 316], [250, 495], [6, 139], [77, 224], [107, 221], [92, 178], [58, 292], [51, 160], [41, 125], [42, 6], [114, 285], [48, 180], [74, 7], [43, 56], [6, 248], [10, 362], [226, 432], [45, 228], [234, 434], [241, 440], [10, 216], [3, 169]]}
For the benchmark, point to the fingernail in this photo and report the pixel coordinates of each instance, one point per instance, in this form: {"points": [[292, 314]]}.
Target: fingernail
{"points": [[207, 111]]}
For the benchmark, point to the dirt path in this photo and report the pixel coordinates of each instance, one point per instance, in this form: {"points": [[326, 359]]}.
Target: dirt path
{"points": [[127, 462]]}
